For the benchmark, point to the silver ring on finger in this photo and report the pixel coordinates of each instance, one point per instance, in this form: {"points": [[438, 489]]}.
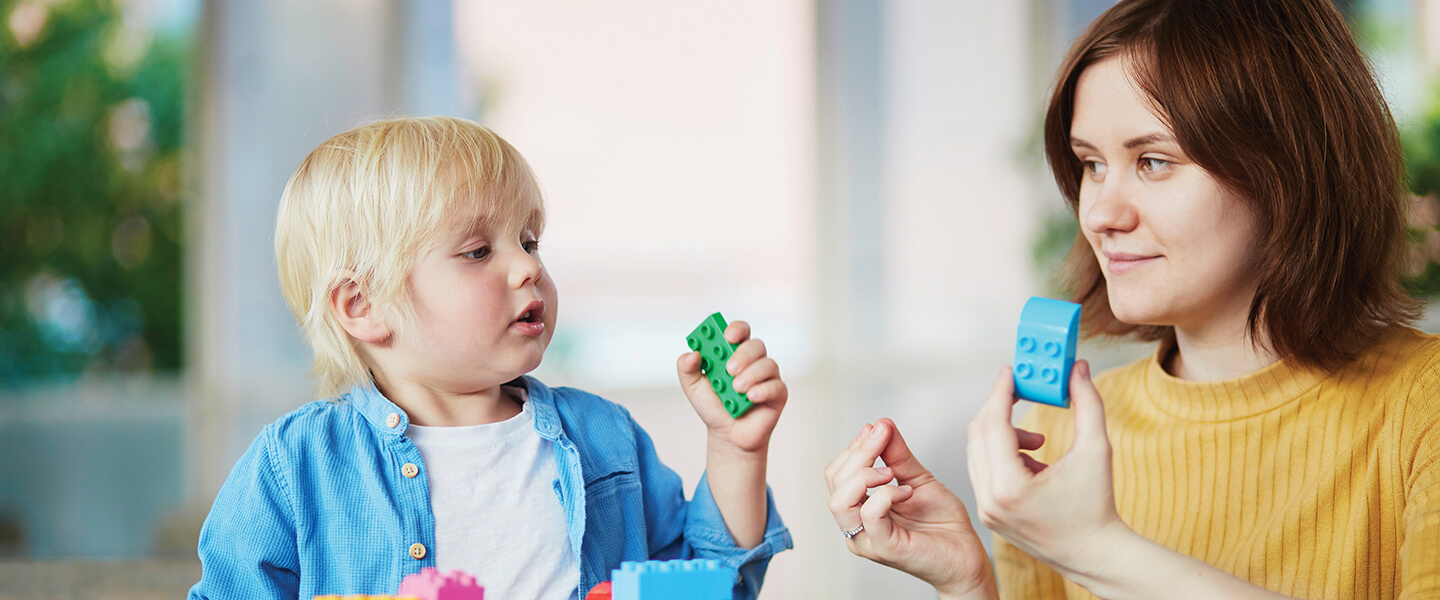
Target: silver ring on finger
{"points": [[850, 533]]}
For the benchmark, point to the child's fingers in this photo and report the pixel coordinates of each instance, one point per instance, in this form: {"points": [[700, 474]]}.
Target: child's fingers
{"points": [[760, 371], [768, 392], [745, 355], [737, 332]]}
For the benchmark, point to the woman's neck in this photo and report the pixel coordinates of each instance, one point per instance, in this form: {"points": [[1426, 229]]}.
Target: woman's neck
{"points": [[1219, 349]]}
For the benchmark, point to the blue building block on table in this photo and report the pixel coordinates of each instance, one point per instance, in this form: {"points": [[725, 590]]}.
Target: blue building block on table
{"points": [[1045, 350], [702, 579], [709, 340]]}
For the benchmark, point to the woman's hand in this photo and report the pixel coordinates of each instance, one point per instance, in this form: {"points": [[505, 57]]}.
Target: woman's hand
{"points": [[1062, 514], [917, 526]]}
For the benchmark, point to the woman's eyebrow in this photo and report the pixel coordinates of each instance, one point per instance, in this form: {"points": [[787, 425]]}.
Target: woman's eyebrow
{"points": [[1130, 144], [1149, 138]]}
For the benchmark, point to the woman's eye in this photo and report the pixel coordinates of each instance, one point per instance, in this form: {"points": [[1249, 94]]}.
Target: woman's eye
{"points": [[478, 253], [1095, 167], [531, 246], [1154, 165]]}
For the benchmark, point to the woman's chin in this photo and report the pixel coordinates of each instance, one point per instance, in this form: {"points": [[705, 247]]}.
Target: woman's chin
{"points": [[1138, 315]]}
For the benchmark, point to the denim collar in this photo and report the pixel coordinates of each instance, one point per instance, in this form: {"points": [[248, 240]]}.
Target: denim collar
{"points": [[376, 408]]}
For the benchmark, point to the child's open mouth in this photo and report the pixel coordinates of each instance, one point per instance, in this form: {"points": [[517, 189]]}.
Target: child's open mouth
{"points": [[530, 321]]}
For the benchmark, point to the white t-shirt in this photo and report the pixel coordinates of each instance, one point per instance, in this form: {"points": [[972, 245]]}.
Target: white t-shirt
{"points": [[497, 516]]}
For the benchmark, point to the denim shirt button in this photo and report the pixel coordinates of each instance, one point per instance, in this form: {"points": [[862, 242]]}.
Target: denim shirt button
{"points": [[417, 551], [392, 420], [409, 470]]}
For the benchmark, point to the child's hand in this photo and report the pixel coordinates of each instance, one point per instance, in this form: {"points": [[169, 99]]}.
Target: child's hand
{"points": [[756, 375]]}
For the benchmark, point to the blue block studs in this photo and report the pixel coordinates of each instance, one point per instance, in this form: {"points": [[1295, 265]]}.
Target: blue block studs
{"points": [[700, 579], [1045, 350]]}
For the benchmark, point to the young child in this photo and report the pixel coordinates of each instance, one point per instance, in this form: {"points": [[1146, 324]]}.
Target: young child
{"points": [[408, 251]]}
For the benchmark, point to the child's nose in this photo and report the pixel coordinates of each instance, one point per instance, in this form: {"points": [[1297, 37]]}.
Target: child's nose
{"points": [[525, 269]]}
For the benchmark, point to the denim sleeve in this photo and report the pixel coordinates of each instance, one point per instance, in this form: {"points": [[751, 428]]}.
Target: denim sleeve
{"points": [[247, 545], [706, 533], [701, 528]]}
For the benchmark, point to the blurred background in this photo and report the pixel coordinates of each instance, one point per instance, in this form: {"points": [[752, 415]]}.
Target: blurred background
{"points": [[861, 180]]}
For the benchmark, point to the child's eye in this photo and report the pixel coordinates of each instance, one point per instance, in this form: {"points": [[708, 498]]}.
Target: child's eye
{"points": [[531, 246], [478, 253]]}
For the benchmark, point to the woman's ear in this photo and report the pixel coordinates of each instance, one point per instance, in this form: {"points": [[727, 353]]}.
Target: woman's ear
{"points": [[353, 309]]}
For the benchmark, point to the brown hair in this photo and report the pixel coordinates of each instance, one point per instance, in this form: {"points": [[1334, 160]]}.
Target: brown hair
{"points": [[1274, 100]]}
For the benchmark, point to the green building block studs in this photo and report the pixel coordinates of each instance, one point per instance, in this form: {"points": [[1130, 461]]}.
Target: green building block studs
{"points": [[709, 340]]}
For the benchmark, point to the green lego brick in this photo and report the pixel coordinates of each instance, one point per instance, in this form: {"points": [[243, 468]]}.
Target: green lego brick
{"points": [[709, 340]]}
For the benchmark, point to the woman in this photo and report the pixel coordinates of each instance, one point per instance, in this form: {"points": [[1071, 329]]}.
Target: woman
{"points": [[1237, 181]]}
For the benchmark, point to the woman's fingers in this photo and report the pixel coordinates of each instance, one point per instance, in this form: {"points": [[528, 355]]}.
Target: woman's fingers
{"points": [[842, 463], [1089, 408], [897, 455], [1029, 440], [875, 513], [850, 493], [1035, 466], [1000, 445]]}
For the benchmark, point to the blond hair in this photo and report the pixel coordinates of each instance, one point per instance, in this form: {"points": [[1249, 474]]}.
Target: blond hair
{"points": [[366, 204]]}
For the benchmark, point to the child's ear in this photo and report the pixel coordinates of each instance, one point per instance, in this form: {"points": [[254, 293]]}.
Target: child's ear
{"points": [[361, 319]]}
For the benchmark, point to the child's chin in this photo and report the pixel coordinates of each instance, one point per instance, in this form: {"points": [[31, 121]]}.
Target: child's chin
{"points": [[534, 363]]}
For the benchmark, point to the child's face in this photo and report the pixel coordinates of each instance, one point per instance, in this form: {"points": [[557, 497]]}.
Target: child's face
{"points": [[1176, 247], [485, 310]]}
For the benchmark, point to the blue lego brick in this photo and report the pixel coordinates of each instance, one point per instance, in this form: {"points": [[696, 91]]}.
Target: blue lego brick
{"points": [[709, 340], [702, 579], [1045, 350]]}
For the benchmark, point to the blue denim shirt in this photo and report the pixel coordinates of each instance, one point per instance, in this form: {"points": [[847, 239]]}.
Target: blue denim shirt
{"points": [[319, 503]]}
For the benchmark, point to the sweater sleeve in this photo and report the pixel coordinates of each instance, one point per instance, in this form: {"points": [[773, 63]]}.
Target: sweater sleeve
{"points": [[1420, 548]]}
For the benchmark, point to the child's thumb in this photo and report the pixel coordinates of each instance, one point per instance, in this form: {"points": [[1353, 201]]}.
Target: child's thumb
{"points": [[688, 368]]}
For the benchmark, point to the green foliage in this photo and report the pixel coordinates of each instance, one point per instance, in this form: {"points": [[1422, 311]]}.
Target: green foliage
{"points": [[1056, 237], [91, 222], [1421, 147]]}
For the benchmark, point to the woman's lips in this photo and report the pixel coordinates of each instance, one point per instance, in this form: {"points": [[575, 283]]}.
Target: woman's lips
{"points": [[1117, 264]]}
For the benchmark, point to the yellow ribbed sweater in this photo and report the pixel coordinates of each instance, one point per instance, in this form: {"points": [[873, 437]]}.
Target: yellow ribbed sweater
{"points": [[1311, 485]]}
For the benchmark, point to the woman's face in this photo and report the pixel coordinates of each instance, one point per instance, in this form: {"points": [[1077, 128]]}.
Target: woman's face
{"points": [[1176, 247]]}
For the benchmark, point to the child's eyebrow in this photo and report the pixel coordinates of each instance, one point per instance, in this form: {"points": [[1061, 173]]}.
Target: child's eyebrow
{"points": [[488, 224]]}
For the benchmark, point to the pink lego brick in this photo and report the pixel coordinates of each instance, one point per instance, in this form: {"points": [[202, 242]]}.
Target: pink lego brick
{"points": [[431, 584]]}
